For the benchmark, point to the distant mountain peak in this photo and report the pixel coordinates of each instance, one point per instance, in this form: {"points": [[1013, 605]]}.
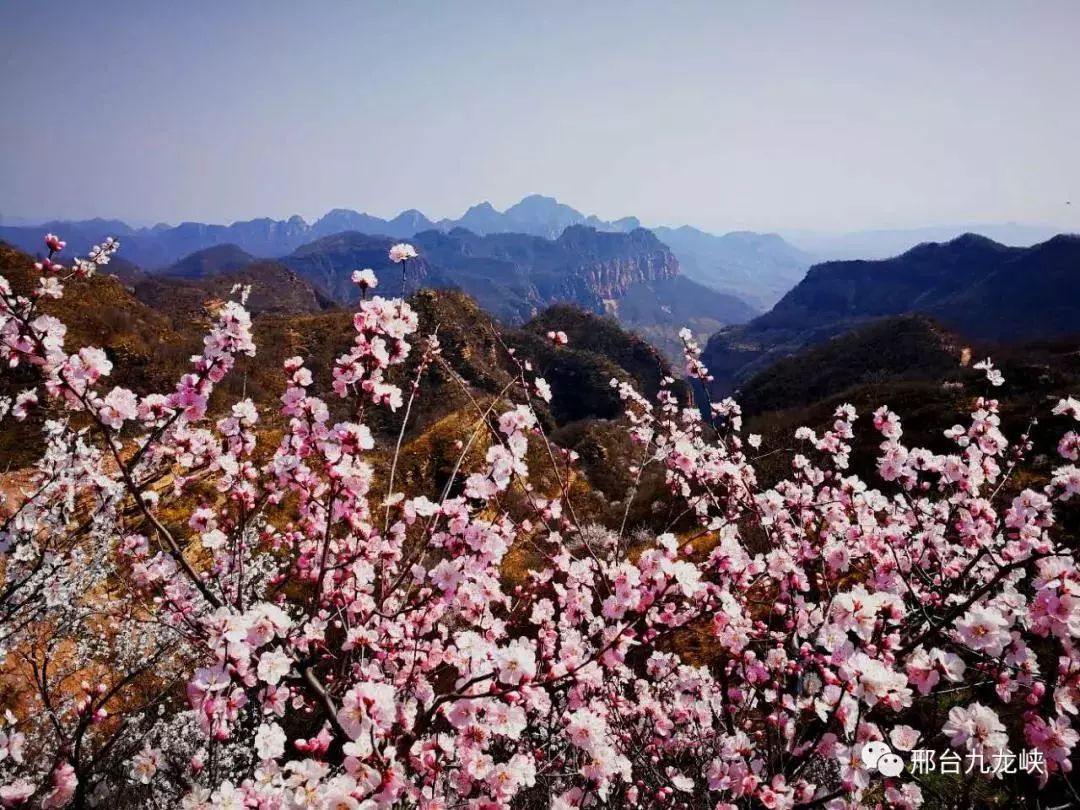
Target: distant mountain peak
{"points": [[538, 199], [413, 219], [958, 246], [209, 262], [538, 204], [970, 239]]}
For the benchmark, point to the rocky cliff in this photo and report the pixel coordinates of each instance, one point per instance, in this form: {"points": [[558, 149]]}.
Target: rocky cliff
{"points": [[601, 267], [516, 275]]}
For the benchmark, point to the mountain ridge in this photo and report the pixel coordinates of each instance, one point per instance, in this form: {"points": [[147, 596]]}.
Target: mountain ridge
{"points": [[972, 285], [631, 276], [883, 243]]}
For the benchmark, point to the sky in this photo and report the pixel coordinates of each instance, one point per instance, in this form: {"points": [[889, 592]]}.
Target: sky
{"points": [[823, 115]]}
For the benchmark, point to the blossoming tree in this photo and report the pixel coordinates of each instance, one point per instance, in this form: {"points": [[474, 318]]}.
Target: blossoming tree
{"points": [[199, 620]]}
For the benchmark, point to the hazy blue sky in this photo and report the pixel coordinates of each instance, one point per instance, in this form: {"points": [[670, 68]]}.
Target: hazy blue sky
{"points": [[828, 115]]}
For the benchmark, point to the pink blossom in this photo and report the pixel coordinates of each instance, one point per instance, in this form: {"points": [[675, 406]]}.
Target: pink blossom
{"points": [[1056, 740], [16, 793], [49, 288], [352, 637], [993, 375], [984, 630], [975, 728], [269, 741], [365, 279], [23, 402], [120, 405], [64, 783], [145, 765], [401, 252], [1069, 406]]}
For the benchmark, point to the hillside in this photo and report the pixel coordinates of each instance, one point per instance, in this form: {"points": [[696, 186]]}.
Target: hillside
{"points": [[210, 261], [274, 289], [603, 336], [146, 350], [979, 288], [912, 366], [1034, 295], [103, 311], [893, 349], [585, 414], [477, 347], [150, 327]]}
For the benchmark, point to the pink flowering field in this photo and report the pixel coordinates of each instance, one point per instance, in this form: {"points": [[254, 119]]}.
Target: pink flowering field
{"points": [[201, 612]]}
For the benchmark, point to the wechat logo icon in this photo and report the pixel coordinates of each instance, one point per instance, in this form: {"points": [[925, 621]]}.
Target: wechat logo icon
{"points": [[878, 756]]}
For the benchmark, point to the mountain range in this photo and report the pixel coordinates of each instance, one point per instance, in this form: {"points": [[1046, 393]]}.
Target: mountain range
{"points": [[986, 292], [758, 268], [162, 245], [541, 252], [631, 276]]}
